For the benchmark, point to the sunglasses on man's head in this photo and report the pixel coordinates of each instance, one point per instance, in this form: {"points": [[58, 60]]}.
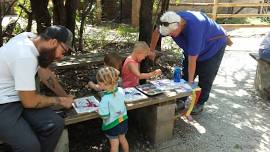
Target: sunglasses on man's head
{"points": [[166, 23]]}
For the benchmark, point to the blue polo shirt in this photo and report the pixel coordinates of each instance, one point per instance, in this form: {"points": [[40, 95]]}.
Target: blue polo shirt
{"points": [[195, 37]]}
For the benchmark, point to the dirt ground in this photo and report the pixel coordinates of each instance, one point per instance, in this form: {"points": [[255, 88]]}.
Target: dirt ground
{"points": [[235, 117]]}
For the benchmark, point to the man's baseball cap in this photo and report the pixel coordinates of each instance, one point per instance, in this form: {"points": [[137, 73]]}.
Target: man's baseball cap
{"points": [[169, 22], [59, 33]]}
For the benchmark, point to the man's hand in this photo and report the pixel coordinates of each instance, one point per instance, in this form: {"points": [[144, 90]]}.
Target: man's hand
{"points": [[66, 102], [152, 55]]}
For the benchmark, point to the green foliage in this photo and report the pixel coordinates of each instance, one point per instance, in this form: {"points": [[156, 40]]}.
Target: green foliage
{"points": [[19, 11], [102, 35], [170, 46], [177, 1], [127, 32], [232, 20], [265, 19]]}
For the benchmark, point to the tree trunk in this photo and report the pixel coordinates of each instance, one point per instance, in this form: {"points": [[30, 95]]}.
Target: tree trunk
{"points": [[110, 9], [59, 13], [126, 11], [145, 21], [84, 13], [71, 7], [164, 7], [41, 14], [145, 30]]}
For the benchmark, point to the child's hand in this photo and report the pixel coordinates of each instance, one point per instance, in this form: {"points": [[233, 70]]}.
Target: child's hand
{"points": [[90, 85], [157, 72]]}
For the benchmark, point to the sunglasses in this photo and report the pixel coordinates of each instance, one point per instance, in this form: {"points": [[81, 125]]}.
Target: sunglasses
{"points": [[166, 23]]}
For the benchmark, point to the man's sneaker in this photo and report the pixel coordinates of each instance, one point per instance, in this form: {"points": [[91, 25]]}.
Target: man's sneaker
{"points": [[197, 109]]}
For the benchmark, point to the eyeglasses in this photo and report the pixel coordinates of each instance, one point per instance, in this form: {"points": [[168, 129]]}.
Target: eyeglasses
{"points": [[166, 23], [64, 48]]}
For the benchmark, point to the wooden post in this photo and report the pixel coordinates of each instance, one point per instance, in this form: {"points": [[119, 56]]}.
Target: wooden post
{"points": [[214, 11], [99, 10], [136, 4]]}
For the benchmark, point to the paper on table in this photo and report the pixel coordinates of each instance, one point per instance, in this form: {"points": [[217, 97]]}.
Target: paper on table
{"points": [[166, 84], [132, 94], [86, 104]]}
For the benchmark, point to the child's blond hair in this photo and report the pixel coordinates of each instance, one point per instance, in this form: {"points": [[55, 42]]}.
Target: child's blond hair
{"points": [[109, 76], [141, 46]]}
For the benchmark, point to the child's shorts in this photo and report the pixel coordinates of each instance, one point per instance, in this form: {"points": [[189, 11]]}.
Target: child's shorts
{"points": [[120, 129]]}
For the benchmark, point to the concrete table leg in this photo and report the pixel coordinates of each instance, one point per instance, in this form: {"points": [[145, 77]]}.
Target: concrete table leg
{"points": [[262, 79], [63, 144], [157, 121]]}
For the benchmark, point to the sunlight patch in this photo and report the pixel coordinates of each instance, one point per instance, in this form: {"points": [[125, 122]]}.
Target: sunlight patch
{"points": [[201, 129], [241, 93]]}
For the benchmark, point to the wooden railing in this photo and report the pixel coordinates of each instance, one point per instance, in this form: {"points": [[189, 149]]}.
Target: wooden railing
{"points": [[215, 5]]}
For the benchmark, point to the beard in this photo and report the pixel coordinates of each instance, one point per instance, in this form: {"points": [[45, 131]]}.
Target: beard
{"points": [[46, 56]]}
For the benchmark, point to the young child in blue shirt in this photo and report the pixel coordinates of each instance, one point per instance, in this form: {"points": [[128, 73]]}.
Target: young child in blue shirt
{"points": [[112, 109]]}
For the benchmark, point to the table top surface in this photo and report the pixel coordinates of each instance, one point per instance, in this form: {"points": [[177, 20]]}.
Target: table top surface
{"points": [[73, 117]]}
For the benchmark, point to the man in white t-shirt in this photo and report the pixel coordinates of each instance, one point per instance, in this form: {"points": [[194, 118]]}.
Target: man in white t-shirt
{"points": [[27, 122]]}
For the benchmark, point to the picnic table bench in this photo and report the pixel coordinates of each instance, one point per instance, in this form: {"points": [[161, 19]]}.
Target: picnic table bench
{"points": [[262, 78]]}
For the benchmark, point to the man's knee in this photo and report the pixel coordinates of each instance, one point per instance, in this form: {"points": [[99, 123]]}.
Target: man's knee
{"points": [[54, 126]]}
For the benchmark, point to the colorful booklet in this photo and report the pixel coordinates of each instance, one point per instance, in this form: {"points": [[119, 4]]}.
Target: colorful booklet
{"points": [[149, 89], [86, 104], [132, 94]]}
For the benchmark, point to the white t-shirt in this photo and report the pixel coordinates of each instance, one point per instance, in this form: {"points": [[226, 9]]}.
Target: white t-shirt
{"points": [[18, 67]]}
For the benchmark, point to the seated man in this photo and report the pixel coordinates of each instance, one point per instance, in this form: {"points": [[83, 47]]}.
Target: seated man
{"points": [[27, 122], [264, 50]]}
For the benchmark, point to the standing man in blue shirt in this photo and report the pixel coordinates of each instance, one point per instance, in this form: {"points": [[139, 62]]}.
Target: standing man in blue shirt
{"points": [[203, 42]]}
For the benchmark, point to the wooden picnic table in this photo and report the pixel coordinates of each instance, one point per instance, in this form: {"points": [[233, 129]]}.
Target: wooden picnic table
{"points": [[155, 116]]}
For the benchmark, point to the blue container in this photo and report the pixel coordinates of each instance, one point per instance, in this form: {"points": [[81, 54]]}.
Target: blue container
{"points": [[177, 74]]}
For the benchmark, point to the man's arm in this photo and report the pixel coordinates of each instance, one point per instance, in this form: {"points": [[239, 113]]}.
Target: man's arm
{"points": [[153, 44], [191, 68], [48, 78], [154, 39], [30, 99]]}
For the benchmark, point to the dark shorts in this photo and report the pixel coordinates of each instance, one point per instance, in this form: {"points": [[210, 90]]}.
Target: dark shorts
{"points": [[120, 129]]}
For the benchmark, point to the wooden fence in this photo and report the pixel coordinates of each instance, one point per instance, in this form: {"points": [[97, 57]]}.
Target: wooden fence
{"points": [[215, 5]]}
